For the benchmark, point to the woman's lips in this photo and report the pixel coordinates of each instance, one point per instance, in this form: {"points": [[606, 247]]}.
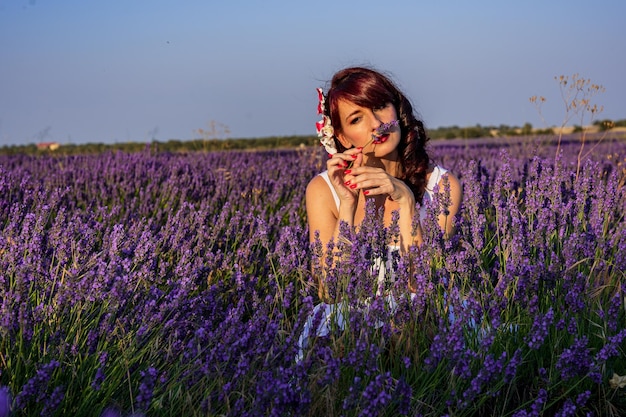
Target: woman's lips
{"points": [[381, 139], [383, 131]]}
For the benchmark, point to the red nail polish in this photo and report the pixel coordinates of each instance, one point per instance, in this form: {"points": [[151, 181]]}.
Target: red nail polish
{"points": [[330, 155], [353, 186], [353, 156], [347, 183], [366, 192], [347, 171]]}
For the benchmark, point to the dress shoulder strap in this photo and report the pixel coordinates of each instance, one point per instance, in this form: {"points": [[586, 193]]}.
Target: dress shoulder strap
{"points": [[434, 179]]}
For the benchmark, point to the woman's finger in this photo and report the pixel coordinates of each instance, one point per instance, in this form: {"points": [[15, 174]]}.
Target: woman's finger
{"points": [[343, 159]]}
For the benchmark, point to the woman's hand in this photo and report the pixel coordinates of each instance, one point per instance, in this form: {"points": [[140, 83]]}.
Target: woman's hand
{"points": [[376, 181], [340, 167]]}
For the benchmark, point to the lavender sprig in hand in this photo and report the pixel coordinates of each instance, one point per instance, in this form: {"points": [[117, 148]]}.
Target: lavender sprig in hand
{"points": [[384, 129]]}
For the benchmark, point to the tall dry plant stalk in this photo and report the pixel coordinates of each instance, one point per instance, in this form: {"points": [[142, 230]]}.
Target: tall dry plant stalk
{"points": [[576, 93], [216, 130]]}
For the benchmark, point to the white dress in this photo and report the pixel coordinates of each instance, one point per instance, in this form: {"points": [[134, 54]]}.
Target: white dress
{"points": [[333, 314]]}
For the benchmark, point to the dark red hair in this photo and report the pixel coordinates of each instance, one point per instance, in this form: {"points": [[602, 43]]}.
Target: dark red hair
{"points": [[368, 88]]}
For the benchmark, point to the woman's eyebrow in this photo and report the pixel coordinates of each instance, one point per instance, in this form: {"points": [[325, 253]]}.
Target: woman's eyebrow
{"points": [[352, 114]]}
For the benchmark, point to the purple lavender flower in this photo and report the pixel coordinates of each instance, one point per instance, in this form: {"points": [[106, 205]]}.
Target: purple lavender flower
{"points": [[5, 402], [100, 375], [110, 412], [146, 388], [53, 401], [539, 403], [582, 398], [511, 368], [384, 129], [576, 360], [567, 410], [376, 395], [540, 329], [36, 387], [611, 348]]}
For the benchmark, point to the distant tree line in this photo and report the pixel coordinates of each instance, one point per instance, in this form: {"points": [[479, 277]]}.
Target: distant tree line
{"points": [[478, 131], [174, 145], [273, 142]]}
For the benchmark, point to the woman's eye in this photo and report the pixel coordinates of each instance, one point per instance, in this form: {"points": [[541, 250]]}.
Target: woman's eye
{"points": [[355, 120]]}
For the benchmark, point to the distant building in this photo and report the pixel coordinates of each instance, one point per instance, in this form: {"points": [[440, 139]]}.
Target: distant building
{"points": [[48, 146]]}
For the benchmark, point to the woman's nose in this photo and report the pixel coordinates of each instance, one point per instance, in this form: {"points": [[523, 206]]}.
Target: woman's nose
{"points": [[376, 122]]}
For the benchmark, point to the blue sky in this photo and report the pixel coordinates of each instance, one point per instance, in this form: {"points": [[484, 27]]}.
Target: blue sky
{"points": [[78, 71]]}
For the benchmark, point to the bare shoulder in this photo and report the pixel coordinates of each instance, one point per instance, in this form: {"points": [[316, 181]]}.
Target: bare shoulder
{"points": [[317, 185], [321, 209], [446, 218], [453, 180], [449, 175], [456, 190], [319, 195]]}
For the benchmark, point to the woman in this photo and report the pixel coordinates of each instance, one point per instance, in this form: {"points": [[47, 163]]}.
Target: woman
{"points": [[390, 165], [376, 149]]}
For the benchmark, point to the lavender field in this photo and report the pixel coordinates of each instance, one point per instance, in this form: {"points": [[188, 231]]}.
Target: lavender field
{"points": [[160, 284]]}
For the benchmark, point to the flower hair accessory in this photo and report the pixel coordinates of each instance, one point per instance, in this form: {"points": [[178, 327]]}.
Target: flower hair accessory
{"points": [[325, 130]]}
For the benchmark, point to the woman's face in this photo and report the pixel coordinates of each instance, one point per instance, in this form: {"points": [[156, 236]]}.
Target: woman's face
{"points": [[358, 124]]}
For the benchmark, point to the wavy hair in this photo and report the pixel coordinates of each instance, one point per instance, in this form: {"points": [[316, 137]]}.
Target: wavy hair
{"points": [[369, 88]]}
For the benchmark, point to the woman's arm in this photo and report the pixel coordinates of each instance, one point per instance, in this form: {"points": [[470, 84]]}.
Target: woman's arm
{"points": [[446, 219], [448, 215], [409, 235], [323, 216]]}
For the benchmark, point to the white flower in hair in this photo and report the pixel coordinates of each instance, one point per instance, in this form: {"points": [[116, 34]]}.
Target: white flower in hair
{"points": [[325, 130]]}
